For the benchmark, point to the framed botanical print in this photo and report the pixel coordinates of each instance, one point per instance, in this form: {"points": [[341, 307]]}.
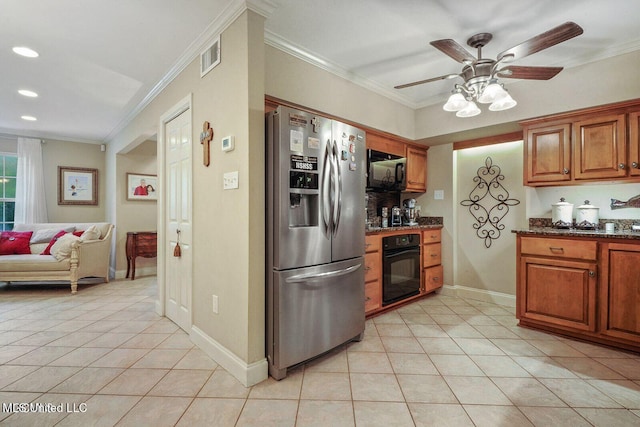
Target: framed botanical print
{"points": [[142, 187], [77, 186]]}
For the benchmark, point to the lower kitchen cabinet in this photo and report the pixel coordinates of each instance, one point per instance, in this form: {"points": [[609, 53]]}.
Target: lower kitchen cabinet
{"points": [[583, 287], [372, 274], [431, 260], [620, 291]]}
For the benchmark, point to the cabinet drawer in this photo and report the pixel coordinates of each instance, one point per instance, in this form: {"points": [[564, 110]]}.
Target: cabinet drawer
{"points": [[431, 255], [372, 267], [431, 236], [372, 296], [559, 248], [372, 243], [432, 278]]}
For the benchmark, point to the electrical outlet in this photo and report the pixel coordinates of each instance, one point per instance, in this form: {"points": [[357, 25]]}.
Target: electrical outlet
{"points": [[230, 180], [214, 306], [438, 195]]}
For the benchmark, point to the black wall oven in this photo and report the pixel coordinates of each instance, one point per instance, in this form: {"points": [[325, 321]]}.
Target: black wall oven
{"points": [[400, 267]]}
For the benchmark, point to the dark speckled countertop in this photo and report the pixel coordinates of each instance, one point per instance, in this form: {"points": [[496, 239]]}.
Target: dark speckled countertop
{"points": [[559, 232], [424, 223]]}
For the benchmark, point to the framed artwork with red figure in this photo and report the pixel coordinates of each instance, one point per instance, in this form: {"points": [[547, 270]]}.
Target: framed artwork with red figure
{"points": [[142, 187]]}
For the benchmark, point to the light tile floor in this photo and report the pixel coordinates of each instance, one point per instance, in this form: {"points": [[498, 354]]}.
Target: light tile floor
{"points": [[103, 357]]}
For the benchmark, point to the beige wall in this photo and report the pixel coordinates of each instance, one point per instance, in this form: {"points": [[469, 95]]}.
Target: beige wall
{"points": [[62, 153], [299, 82], [135, 215], [228, 226]]}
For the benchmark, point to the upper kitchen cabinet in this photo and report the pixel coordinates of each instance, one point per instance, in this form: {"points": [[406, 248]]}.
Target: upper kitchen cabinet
{"points": [[634, 143], [599, 149], [583, 146], [547, 156], [385, 144], [416, 170]]}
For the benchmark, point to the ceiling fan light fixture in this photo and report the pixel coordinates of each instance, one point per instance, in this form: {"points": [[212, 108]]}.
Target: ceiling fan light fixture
{"points": [[492, 92], [469, 111], [456, 102], [503, 103]]}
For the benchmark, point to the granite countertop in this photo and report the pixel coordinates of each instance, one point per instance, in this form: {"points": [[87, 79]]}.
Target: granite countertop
{"points": [[376, 230], [572, 232]]}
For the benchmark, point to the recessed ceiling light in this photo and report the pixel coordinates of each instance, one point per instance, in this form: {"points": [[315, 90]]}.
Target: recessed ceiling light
{"points": [[28, 93], [29, 118], [25, 51]]}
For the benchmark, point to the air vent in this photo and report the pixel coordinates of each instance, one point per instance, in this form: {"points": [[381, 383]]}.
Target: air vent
{"points": [[210, 57]]}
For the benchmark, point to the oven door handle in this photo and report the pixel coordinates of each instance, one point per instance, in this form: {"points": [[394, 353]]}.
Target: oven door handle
{"points": [[329, 274], [403, 252]]}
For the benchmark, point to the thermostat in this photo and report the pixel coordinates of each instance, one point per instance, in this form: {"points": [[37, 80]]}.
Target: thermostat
{"points": [[228, 143]]}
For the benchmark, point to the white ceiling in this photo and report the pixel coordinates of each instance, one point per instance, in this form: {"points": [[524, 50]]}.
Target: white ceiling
{"points": [[100, 60]]}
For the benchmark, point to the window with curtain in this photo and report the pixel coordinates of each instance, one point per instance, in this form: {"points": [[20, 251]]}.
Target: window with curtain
{"points": [[8, 168]]}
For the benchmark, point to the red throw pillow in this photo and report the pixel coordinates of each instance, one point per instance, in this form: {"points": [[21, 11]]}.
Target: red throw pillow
{"points": [[47, 250], [15, 242], [78, 233]]}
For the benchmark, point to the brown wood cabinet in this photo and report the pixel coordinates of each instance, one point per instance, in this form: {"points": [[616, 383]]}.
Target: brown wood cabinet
{"points": [[620, 291], [373, 273], [634, 143], [416, 170], [599, 147], [140, 243], [583, 146], [583, 287], [431, 260], [548, 153]]}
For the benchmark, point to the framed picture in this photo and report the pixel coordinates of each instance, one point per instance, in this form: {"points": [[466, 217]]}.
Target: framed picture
{"points": [[77, 186], [142, 187]]}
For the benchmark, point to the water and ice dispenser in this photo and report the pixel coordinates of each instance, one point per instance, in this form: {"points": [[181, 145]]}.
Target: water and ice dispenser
{"points": [[304, 192]]}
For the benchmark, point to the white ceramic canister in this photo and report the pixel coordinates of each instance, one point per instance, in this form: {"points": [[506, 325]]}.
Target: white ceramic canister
{"points": [[562, 214], [587, 215]]}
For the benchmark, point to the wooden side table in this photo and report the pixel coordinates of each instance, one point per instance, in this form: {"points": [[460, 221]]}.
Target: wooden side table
{"points": [[140, 243]]}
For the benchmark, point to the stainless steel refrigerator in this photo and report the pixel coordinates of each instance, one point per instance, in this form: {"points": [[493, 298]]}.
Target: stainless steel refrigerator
{"points": [[315, 240]]}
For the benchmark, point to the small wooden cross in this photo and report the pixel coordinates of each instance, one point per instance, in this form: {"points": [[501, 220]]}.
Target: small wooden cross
{"points": [[205, 139]]}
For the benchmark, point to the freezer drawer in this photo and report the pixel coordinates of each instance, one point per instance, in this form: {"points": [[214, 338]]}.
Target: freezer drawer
{"points": [[313, 310]]}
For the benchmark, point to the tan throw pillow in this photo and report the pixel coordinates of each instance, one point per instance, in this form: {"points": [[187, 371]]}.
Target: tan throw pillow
{"points": [[91, 233], [45, 235], [62, 248]]}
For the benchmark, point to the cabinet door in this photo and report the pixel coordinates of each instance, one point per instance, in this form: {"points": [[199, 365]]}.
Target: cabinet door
{"points": [[372, 296], [620, 316], [558, 292], [547, 154], [416, 170], [599, 149], [432, 278], [372, 267], [634, 144], [431, 255]]}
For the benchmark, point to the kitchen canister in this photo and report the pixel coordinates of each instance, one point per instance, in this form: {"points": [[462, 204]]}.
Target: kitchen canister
{"points": [[562, 214], [587, 216]]}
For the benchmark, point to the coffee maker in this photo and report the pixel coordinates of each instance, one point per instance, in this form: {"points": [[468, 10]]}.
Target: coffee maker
{"points": [[410, 215]]}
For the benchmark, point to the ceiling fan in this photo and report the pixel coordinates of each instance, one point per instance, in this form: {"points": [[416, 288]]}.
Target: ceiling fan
{"points": [[480, 74]]}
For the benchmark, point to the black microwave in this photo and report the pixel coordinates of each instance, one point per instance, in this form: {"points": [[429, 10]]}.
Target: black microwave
{"points": [[386, 172]]}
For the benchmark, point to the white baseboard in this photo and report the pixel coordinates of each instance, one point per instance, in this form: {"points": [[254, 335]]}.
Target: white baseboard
{"points": [[479, 294], [248, 375]]}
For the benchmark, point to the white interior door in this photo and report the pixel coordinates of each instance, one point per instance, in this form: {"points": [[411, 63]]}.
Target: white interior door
{"points": [[178, 220]]}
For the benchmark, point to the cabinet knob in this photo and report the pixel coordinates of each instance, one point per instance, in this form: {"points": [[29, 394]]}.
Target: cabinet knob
{"points": [[634, 165], [565, 171], [592, 273], [367, 268], [621, 166]]}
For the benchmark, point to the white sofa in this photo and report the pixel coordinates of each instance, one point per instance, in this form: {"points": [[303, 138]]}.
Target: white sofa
{"points": [[87, 258]]}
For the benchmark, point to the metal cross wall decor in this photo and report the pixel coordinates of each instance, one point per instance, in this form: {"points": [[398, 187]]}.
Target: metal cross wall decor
{"points": [[487, 192]]}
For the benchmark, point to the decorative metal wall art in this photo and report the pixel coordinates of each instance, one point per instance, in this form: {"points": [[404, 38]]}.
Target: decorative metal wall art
{"points": [[489, 202], [633, 202]]}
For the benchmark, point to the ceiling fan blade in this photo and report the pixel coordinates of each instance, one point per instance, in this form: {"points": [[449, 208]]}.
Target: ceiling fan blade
{"points": [[453, 49], [554, 36], [434, 79], [531, 73]]}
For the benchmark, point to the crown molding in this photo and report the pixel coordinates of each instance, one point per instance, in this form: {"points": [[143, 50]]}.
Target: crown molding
{"points": [[274, 40]]}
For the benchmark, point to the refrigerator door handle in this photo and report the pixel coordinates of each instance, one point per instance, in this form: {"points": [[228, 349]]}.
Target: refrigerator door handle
{"points": [[329, 274], [337, 176], [326, 189]]}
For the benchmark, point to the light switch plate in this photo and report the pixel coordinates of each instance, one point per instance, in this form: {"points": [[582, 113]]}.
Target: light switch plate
{"points": [[438, 195], [230, 180]]}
